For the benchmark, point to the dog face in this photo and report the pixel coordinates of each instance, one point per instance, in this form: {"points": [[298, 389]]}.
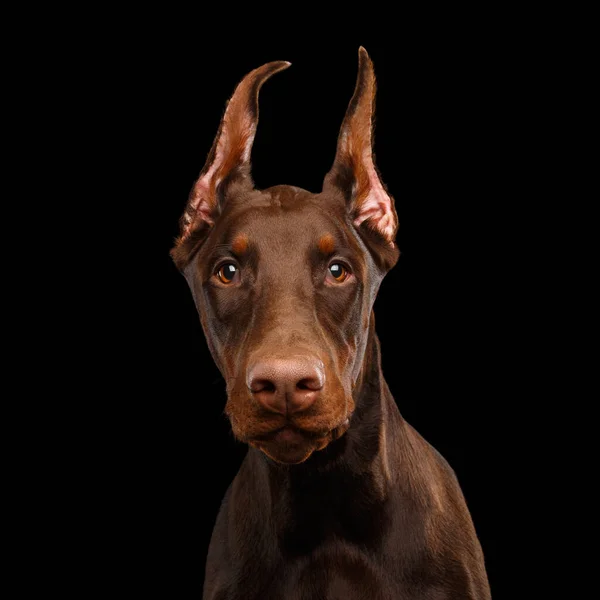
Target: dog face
{"points": [[284, 280]]}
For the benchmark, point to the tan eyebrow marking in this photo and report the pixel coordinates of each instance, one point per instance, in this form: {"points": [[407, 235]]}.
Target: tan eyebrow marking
{"points": [[326, 244], [240, 244]]}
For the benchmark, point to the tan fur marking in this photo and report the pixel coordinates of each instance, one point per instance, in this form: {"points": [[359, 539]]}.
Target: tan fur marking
{"points": [[326, 244], [240, 244]]}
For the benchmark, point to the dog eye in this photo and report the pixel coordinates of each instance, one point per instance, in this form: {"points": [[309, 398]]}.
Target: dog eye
{"points": [[339, 272], [227, 273]]}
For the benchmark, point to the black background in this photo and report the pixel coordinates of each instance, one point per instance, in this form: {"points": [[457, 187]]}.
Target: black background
{"points": [[446, 123]]}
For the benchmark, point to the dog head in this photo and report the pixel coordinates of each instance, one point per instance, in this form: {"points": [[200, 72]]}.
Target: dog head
{"points": [[285, 280]]}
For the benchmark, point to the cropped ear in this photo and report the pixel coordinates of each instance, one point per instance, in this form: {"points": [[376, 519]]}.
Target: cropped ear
{"points": [[229, 158], [354, 172]]}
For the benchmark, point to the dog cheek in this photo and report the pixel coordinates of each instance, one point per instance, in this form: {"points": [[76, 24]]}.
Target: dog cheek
{"points": [[232, 413], [354, 334], [239, 409], [223, 319], [225, 305]]}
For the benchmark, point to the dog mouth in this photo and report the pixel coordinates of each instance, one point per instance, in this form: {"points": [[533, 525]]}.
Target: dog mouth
{"points": [[289, 433], [290, 444]]}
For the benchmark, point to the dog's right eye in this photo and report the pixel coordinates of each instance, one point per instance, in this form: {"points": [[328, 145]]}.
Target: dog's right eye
{"points": [[227, 273]]}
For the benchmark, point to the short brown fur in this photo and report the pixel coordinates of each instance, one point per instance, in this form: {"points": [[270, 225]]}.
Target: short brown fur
{"points": [[338, 496]]}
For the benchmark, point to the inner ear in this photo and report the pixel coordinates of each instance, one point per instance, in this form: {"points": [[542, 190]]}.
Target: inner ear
{"points": [[354, 172], [228, 161], [376, 206]]}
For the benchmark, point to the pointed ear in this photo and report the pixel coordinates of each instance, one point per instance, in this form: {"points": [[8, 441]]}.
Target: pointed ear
{"points": [[229, 158], [354, 172]]}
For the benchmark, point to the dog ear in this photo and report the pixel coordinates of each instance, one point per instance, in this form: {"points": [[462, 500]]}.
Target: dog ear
{"points": [[354, 172], [229, 158]]}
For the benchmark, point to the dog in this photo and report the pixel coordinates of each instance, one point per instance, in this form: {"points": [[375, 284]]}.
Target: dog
{"points": [[338, 496]]}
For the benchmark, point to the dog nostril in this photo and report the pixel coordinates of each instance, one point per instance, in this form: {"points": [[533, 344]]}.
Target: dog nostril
{"points": [[262, 385], [311, 384]]}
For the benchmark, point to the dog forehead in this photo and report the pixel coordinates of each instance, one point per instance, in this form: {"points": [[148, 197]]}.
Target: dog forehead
{"points": [[286, 218]]}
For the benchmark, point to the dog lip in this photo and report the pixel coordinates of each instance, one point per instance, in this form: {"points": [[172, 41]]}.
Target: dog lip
{"points": [[289, 433], [286, 430]]}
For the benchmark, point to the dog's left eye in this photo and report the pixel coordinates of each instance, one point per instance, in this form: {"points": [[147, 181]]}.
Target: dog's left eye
{"points": [[227, 273], [339, 272]]}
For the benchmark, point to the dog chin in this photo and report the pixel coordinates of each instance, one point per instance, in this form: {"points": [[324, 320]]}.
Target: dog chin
{"points": [[291, 447], [287, 454]]}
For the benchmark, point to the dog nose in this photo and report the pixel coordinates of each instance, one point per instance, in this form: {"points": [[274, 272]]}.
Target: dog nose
{"points": [[286, 385]]}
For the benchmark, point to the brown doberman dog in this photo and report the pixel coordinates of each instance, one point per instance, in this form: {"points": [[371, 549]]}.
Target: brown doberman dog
{"points": [[338, 497]]}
